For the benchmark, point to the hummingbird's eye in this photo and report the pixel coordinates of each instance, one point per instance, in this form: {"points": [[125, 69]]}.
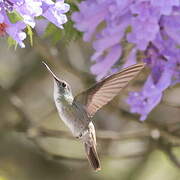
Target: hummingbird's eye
{"points": [[63, 84]]}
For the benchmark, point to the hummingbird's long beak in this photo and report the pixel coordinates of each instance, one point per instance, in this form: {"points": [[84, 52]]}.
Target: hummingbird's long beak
{"points": [[54, 76]]}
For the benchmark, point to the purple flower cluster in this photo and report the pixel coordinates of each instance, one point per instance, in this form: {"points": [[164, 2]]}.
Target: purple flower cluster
{"points": [[29, 10], [151, 26]]}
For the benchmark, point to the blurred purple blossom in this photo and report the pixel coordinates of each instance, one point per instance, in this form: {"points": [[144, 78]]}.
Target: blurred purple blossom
{"points": [[41, 25], [151, 26], [29, 10], [13, 30], [54, 11]]}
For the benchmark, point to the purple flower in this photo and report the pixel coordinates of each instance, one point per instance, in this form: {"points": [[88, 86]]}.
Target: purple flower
{"points": [[142, 104], [92, 14], [107, 46], [151, 26], [164, 73], [144, 101], [145, 16], [102, 67], [13, 30], [29, 10], [171, 25], [165, 7], [54, 12], [41, 25]]}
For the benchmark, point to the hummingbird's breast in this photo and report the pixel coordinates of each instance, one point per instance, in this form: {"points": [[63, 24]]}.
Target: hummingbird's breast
{"points": [[74, 116]]}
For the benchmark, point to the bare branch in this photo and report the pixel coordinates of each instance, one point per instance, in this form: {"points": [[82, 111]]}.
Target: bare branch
{"points": [[101, 134], [171, 104], [151, 126]]}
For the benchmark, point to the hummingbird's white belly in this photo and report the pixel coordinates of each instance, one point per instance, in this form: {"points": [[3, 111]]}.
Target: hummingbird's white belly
{"points": [[74, 117]]}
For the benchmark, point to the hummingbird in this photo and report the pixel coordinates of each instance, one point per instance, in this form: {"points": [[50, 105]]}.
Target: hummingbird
{"points": [[76, 112]]}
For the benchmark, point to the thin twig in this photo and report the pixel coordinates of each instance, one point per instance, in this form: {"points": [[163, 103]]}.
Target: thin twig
{"points": [[152, 125], [101, 134], [171, 104]]}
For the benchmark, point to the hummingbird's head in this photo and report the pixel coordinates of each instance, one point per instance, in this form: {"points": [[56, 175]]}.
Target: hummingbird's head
{"points": [[62, 89]]}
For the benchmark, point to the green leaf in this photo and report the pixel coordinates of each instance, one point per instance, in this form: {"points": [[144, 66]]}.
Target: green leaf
{"points": [[54, 32], [50, 30], [56, 37], [30, 34], [14, 16], [12, 42]]}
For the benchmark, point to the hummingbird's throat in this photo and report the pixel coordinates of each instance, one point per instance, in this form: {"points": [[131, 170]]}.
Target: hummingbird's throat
{"points": [[65, 99]]}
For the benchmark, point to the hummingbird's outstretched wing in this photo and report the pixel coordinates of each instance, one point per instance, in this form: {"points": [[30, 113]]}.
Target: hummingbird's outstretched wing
{"points": [[104, 91]]}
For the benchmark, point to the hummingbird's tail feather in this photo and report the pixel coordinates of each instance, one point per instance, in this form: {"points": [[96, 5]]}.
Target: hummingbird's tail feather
{"points": [[92, 156]]}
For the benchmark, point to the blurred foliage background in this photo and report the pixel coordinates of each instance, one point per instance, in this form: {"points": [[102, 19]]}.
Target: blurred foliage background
{"points": [[36, 145]]}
